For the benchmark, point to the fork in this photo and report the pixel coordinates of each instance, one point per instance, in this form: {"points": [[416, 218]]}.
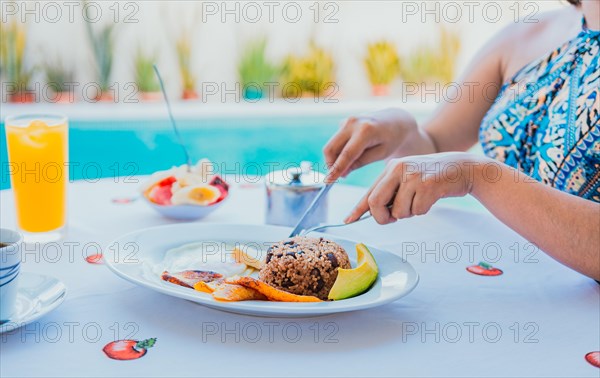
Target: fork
{"points": [[320, 227]]}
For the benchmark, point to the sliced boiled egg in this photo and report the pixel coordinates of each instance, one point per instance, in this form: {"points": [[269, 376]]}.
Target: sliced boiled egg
{"points": [[203, 195]]}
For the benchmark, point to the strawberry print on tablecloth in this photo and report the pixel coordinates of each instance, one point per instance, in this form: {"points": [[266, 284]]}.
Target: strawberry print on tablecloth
{"points": [[484, 269], [97, 258], [125, 350], [593, 358]]}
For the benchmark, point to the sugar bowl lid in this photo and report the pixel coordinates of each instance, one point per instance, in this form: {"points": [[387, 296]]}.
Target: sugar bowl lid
{"points": [[296, 178]]}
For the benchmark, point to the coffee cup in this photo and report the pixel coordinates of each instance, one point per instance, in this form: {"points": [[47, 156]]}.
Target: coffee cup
{"points": [[10, 263]]}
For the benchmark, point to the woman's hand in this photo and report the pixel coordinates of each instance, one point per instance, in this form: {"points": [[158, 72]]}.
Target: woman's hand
{"points": [[410, 186], [365, 139]]}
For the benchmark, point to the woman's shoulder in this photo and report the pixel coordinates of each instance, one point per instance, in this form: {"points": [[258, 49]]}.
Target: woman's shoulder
{"points": [[544, 26], [528, 39]]}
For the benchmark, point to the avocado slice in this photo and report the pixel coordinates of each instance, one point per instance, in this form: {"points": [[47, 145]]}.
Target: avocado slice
{"points": [[352, 282]]}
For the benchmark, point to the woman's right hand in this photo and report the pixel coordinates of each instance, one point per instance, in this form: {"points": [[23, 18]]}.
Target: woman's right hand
{"points": [[368, 138]]}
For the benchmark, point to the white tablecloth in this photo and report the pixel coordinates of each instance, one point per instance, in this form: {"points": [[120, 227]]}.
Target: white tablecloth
{"points": [[537, 319]]}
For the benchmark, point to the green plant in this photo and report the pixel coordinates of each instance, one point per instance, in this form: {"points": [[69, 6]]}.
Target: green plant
{"points": [[420, 65], [13, 41], [58, 76], [450, 45], [145, 77], [103, 49], [254, 67], [382, 62], [312, 73], [184, 58], [434, 63]]}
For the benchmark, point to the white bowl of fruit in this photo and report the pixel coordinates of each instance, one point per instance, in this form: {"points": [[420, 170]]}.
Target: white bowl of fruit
{"points": [[186, 194]]}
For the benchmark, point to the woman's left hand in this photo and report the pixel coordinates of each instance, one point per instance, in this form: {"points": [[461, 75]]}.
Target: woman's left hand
{"points": [[411, 185]]}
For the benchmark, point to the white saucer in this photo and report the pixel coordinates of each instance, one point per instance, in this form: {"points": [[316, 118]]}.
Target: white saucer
{"points": [[37, 296]]}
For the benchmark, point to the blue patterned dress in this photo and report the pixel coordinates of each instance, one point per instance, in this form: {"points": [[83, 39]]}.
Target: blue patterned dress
{"points": [[545, 119]]}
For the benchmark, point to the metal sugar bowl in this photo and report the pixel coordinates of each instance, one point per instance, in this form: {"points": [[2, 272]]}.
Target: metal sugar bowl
{"points": [[290, 192]]}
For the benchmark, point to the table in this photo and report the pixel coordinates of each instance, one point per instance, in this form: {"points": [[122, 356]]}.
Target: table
{"points": [[539, 318]]}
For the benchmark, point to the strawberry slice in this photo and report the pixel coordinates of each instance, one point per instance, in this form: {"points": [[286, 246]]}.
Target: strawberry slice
{"points": [[169, 181], [223, 187], [220, 183], [160, 195], [484, 269], [224, 194]]}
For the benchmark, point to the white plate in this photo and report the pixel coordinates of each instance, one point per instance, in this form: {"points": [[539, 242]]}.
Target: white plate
{"points": [[37, 296], [132, 255]]}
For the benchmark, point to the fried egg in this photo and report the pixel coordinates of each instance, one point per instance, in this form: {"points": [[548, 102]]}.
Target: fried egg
{"points": [[206, 255]]}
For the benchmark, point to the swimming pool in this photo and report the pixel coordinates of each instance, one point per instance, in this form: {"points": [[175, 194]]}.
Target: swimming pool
{"points": [[238, 146]]}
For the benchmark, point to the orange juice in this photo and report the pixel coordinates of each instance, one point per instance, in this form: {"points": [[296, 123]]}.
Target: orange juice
{"points": [[38, 158]]}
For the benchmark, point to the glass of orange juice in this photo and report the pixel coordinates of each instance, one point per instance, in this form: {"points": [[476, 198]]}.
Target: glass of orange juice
{"points": [[38, 153]]}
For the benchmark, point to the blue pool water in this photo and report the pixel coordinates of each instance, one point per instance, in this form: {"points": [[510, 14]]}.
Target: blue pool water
{"points": [[100, 149]]}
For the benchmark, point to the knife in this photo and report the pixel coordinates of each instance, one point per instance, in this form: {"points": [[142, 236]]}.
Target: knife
{"points": [[301, 226]]}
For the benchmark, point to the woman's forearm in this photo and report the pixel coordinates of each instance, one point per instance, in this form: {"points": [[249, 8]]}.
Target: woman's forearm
{"points": [[417, 142], [564, 226], [413, 140]]}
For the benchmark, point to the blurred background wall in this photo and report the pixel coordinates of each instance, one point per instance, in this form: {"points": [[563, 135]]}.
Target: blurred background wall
{"points": [[220, 29]]}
